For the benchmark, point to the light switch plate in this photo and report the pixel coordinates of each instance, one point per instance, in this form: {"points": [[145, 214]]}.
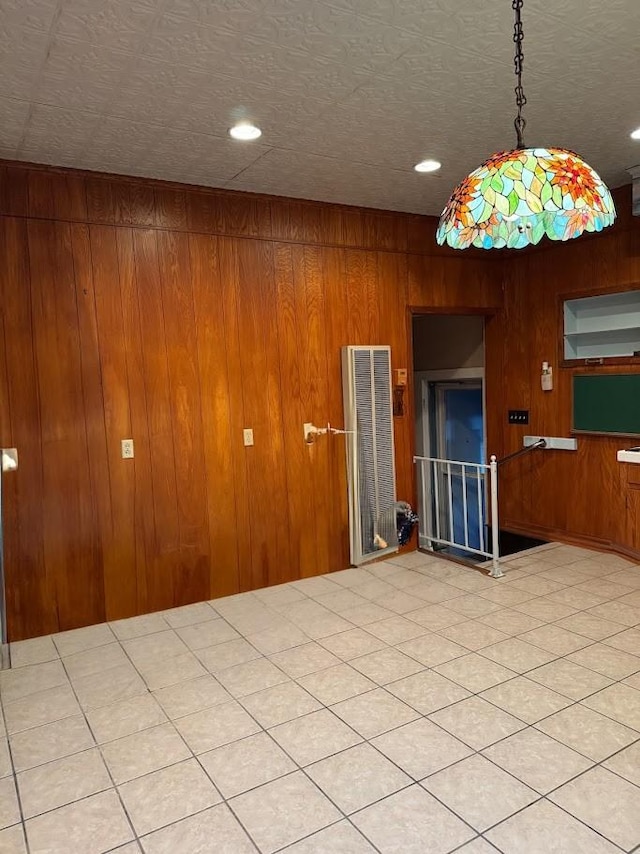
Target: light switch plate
{"points": [[9, 459], [127, 449], [247, 435], [401, 376]]}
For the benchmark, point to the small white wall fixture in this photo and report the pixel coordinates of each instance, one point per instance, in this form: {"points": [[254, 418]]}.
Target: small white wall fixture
{"points": [[553, 443]]}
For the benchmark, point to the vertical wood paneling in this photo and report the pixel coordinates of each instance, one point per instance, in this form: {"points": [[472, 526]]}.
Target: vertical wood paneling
{"points": [[123, 316], [247, 217], [338, 336], [632, 513], [311, 313], [517, 476], [100, 202], [191, 571], [352, 231], [581, 495], [213, 350], [263, 413], [136, 492], [30, 586], [495, 391], [170, 208], [101, 503], [41, 195], [303, 369], [461, 282], [229, 305], [14, 191], [296, 406], [205, 213], [384, 231], [543, 328], [142, 204], [361, 291], [293, 221], [71, 546], [160, 426], [118, 526], [69, 197], [393, 330], [133, 203]]}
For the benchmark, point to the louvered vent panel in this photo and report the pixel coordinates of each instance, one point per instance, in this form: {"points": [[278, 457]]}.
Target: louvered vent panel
{"points": [[371, 470]]}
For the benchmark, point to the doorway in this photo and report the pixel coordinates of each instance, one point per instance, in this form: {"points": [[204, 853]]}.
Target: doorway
{"points": [[455, 417], [448, 355]]}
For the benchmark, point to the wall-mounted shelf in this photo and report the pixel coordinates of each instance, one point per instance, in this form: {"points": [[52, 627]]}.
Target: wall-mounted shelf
{"points": [[602, 327]]}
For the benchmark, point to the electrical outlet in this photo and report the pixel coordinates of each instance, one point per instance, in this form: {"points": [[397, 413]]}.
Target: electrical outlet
{"points": [[247, 435], [518, 416], [127, 449]]}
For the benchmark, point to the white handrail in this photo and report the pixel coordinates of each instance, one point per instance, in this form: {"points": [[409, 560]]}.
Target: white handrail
{"points": [[453, 462], [437, 496], [496, 572]]}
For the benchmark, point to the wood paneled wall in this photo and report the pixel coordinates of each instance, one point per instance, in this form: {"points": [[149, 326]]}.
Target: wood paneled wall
{"points": [[585, 496], [178, 316]]}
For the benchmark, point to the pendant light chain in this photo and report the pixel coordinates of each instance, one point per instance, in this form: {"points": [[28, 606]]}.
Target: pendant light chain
{"points": [[517, 197], [518, 37]]}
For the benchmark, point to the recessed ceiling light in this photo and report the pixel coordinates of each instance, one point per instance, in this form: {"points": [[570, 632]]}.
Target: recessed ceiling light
{"points": [[428, 166], [245, 131], [636, 134]]}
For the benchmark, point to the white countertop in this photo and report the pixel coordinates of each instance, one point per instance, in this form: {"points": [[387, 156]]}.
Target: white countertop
{"points": [[632, 456]]}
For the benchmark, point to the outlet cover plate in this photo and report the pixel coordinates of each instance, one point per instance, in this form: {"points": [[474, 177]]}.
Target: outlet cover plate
{"points": [[9, 459]]}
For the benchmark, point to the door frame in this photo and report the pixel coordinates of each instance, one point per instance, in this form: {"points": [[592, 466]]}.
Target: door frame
{"points": [[440, 410], [415, 379], [423, 425], [422, 380], [438, 429]]}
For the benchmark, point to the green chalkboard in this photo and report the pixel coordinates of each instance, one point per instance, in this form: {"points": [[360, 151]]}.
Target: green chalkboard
{"points": [[606, 403]]}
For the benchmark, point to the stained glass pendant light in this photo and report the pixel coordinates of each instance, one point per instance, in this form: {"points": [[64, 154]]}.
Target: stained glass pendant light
{"points": [[516, 197]]}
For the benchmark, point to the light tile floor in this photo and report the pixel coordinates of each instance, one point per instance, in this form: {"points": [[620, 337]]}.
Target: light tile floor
{"points": [[412, 706]]}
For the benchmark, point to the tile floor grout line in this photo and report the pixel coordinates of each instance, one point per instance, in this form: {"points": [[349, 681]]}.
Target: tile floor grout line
{"points": [[572, 702], [13, 776], [544, 799], [116, 786], [199, 812], [557, 658], [594, 764], [298, 768], [546, 717], [104, 762], [58, 759], [295, 762], [383, 754], [364, 741], [291, 773], [541, 796], [419, 782]]}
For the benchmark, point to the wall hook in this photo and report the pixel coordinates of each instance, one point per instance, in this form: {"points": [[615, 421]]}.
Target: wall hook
{"points": [[311, 432]]}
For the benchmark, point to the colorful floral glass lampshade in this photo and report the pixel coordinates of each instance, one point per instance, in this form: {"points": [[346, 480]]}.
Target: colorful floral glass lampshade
{"points": [[517, 197]]}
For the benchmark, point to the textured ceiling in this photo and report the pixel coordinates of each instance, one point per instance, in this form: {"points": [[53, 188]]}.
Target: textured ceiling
{"points": [[350, 94]]}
